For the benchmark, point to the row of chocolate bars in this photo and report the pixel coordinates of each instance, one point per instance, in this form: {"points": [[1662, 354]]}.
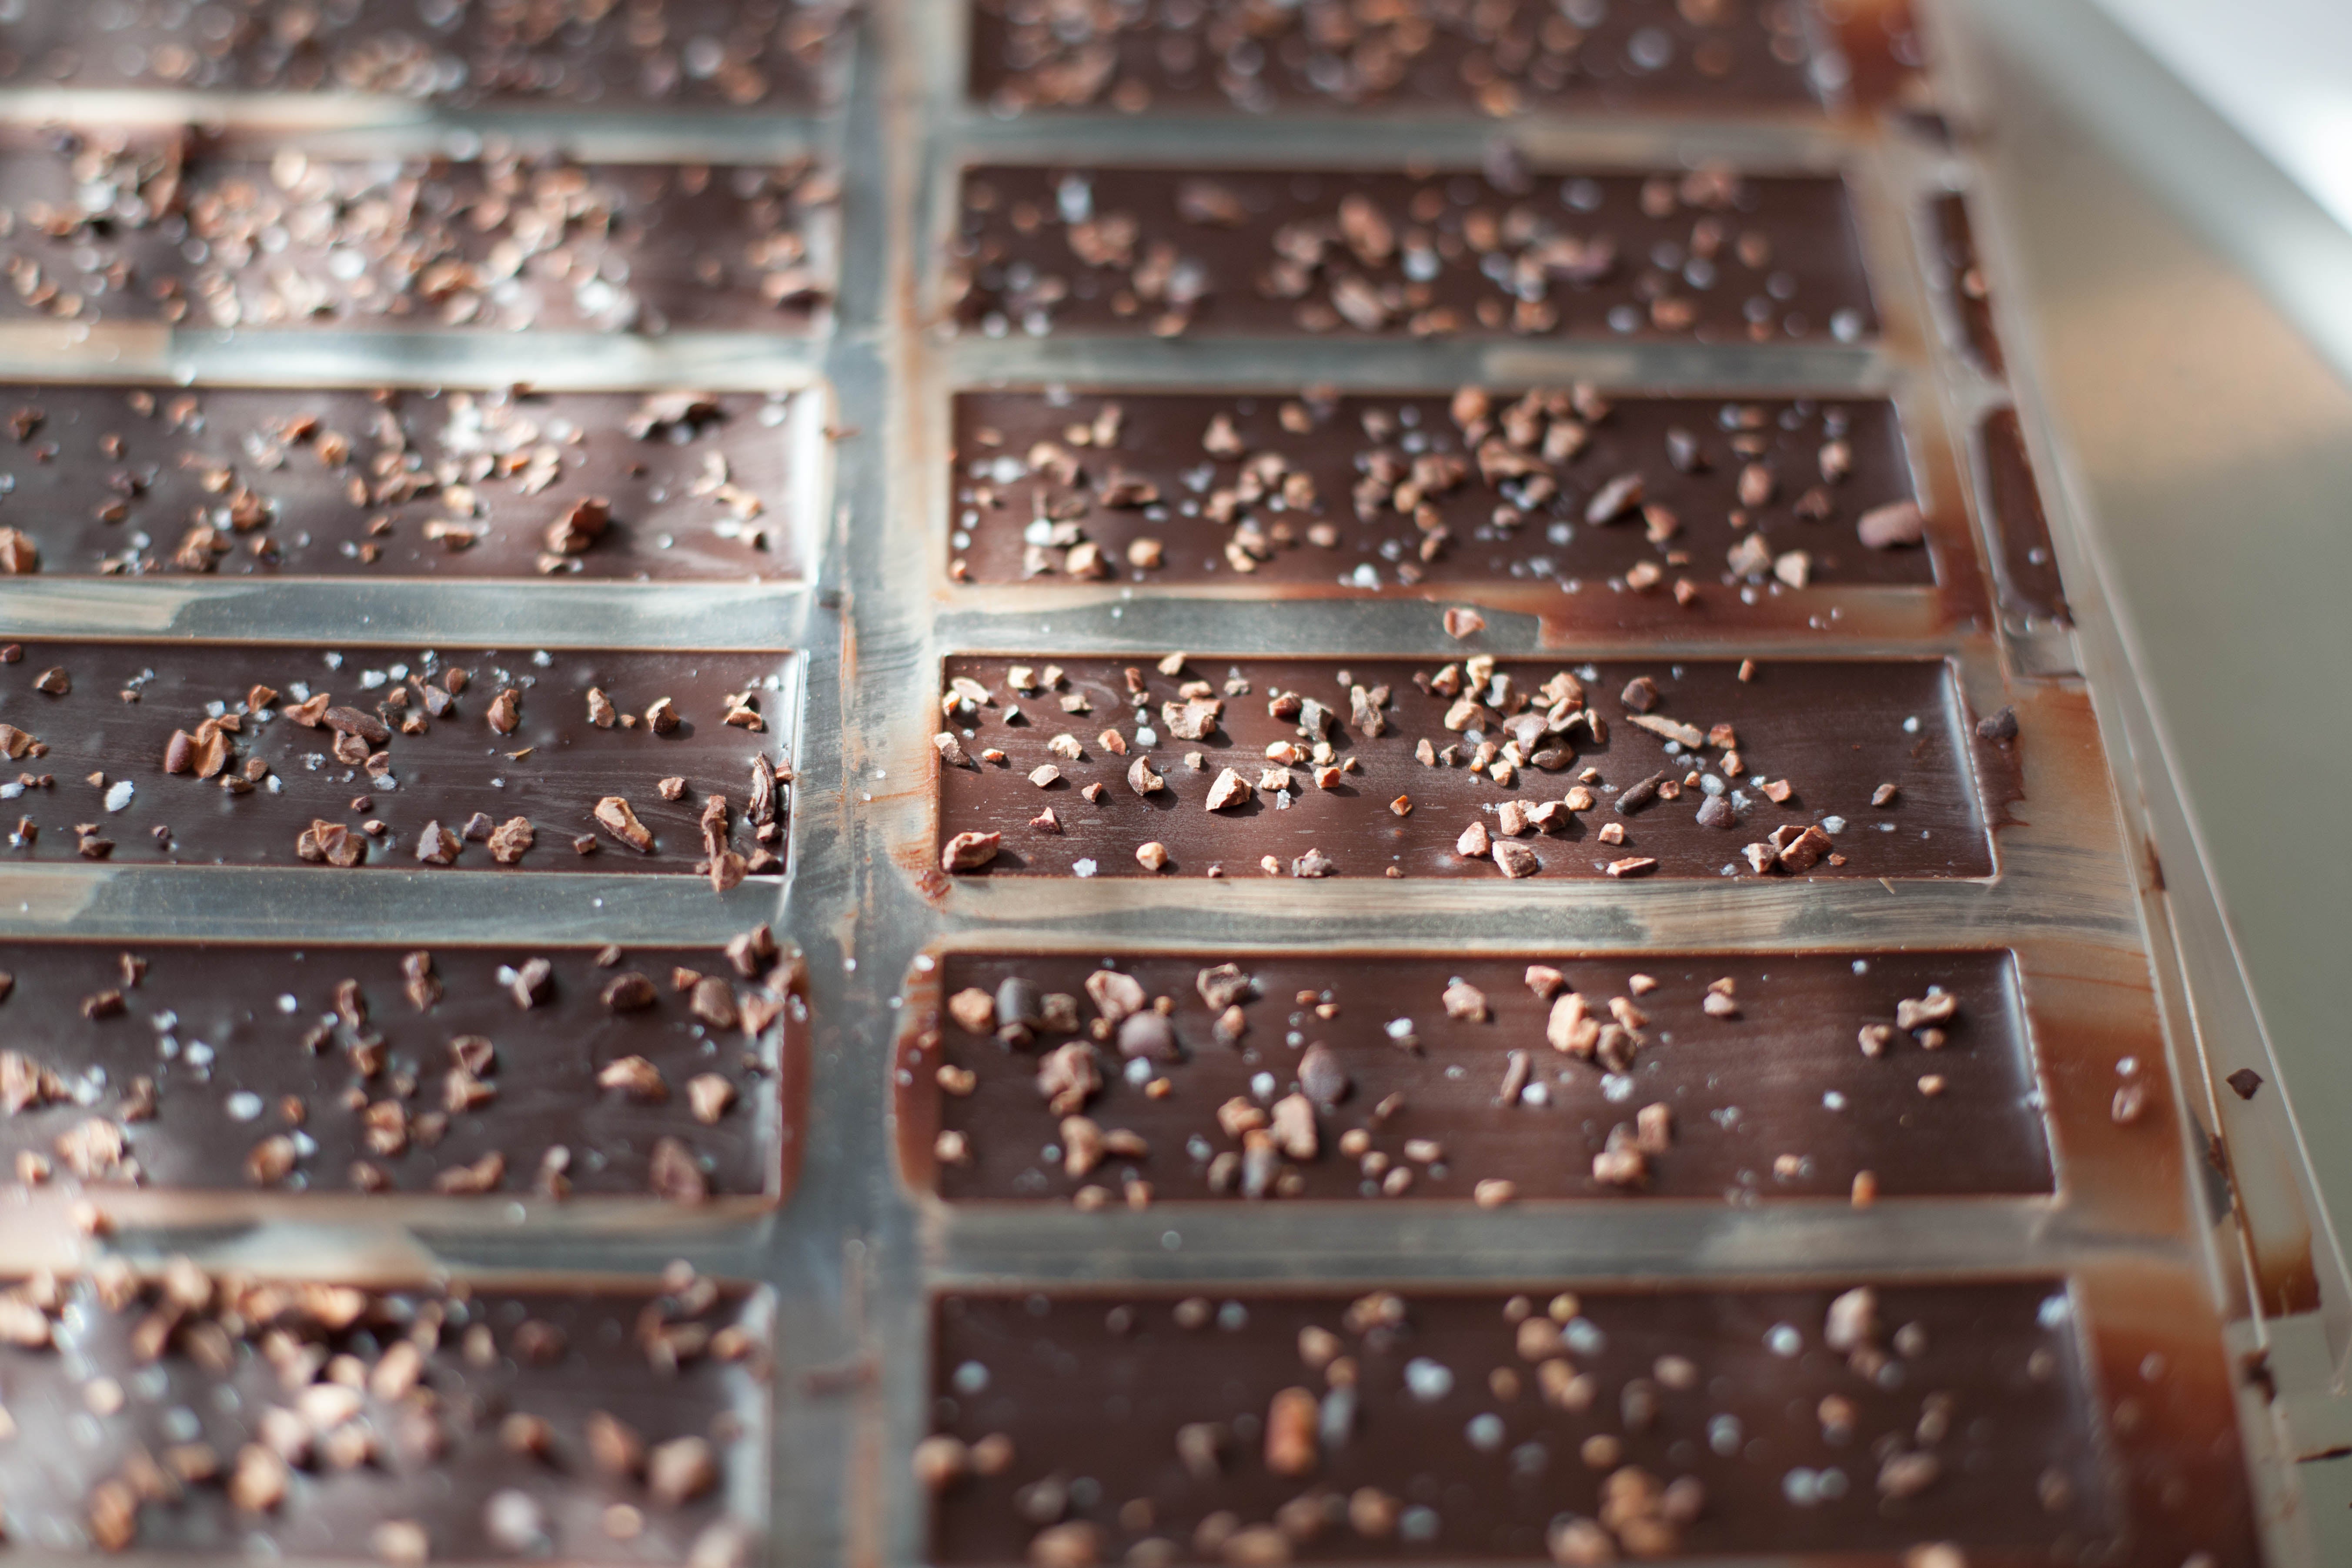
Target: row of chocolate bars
{"points": [[1666, 710]]}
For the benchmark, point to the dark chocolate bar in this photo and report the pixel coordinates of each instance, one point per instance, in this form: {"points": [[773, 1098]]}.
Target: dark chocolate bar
{"points": [[1707, 253], [1954, 1422], [1500, 59], [1964, 282], [360, 1069], [1057, 1076], [114, 226], [239, 1417], [184, 754], [497, 54], [1654, 494], [2029, 568], [1066, 765], [328, 481]]}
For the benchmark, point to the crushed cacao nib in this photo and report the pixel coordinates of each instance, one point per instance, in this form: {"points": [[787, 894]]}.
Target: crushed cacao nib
{"points": [[137, 481], [1370, 491], [106, 225], [1669, 1422], [367, 756], [1501, 58], [460, 1423], [1747, 1066], [454, 1070], [1508, 768], [1708, 253], [575, 53]]}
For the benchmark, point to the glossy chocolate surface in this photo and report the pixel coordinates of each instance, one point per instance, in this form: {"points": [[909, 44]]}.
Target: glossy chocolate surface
{"points": [[333, 482], [1836, 732], [1130, 56], [2029, 568], [485, 55], [1954, 1411], [1964, 282], [341, 1069], [1375, 491], [1770, 1095], [115, 721], [104, 227], [256, 1418], [1708, 254], [573, 54]]}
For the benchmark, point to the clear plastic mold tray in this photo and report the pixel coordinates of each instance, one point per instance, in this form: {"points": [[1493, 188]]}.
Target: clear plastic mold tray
{"points": [[2197, 1224]]}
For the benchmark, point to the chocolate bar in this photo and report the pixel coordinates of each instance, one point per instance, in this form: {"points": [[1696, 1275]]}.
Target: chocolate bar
{"points": [[1955, 1423], [576, 53], [182, 753], [2029, 568], [1964, 282], [189, 1413], [114, 226], [1709, 254], [1057, 1076], [1666, 495], [1502, 59], [135, 480], [465, 1070], [1066, 765]]}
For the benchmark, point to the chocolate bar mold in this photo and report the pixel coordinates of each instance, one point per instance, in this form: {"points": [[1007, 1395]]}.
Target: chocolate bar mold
{"points": [[849, 1255]]}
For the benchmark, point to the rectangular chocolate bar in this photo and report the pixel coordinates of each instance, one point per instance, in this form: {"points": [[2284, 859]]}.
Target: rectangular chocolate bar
{"points": [[1957, 1423], [1708, 253], [132, 480], [1964, 282], [453, 1069], [229, 1416], [580, 55], [1500, 59], [1073, 766], [111, 227], [2030, 583], [1566, 486], [184, 754], [1057, 1076]]}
